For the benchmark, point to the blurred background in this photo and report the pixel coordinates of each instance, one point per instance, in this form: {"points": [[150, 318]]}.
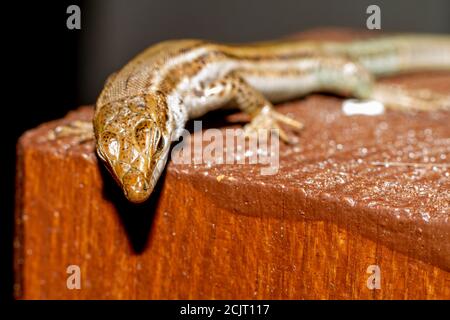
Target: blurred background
{"points": [[113, 31], [56, 69]]}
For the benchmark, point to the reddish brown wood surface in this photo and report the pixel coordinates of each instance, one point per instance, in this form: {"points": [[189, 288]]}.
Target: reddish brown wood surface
{"points": [[225, 232]]}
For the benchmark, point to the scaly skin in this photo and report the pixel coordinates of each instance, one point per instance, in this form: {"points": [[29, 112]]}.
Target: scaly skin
{"points": [[144, 106]]}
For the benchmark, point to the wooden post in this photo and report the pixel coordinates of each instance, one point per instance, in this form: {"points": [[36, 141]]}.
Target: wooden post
{"points": [[312, 231]]}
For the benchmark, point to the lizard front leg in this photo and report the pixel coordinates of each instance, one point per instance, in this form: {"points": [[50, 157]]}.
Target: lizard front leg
{"points": [[260, 109], [235, 90]]}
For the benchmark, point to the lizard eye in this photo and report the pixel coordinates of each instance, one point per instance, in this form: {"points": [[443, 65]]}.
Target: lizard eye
{"points": [[148, 136]]}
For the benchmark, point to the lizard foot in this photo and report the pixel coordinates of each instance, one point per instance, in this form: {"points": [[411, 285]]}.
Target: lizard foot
{"points": [[269, 119], [80, 131]]}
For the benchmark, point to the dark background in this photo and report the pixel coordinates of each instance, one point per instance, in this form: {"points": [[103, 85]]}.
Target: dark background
{"points": [[51, 69]]}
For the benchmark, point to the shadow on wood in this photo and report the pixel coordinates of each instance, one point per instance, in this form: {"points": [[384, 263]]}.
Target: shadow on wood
{"points": [[136, 218]]}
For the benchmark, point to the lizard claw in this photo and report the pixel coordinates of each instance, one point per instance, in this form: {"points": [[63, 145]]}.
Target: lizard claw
{"points": [[297, 125], [269, 119]]}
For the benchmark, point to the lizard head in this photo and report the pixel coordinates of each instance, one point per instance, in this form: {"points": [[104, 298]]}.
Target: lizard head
{"points": [[133, 140]]}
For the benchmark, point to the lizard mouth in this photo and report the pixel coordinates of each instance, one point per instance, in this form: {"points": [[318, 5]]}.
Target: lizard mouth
{"points": [[135, 186]]}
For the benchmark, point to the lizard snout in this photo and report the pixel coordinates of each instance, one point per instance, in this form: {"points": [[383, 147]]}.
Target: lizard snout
{"points": [[135, 186]]}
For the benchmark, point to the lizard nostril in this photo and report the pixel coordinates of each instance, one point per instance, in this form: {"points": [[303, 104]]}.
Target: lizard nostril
{"points": [[135, 186]]}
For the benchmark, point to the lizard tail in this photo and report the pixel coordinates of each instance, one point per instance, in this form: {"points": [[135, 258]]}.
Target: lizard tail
{"points": [[389, 55]]}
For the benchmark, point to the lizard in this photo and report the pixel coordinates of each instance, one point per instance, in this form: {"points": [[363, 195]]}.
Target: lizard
{"points": [[144, 106]]}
